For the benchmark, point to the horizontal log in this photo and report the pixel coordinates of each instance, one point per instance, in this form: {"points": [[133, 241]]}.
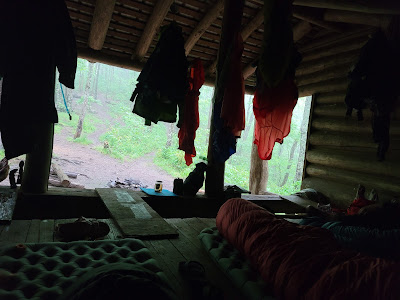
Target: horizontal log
{"points": [[340, 194], [335, 39], [320, 64], [309, 16], [379, 183], [354, 161], [330, 98], [335, 110], [333, 85], [376, 20], [339, 71], [57, 183], [365, 6], [64, 180], [341, 124], [335, 50], [359, 142]]}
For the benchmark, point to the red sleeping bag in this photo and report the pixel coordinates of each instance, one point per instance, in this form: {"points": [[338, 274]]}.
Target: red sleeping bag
{"points": [[304, 262]]}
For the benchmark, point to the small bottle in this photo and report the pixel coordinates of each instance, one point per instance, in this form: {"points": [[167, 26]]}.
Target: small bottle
{"points": [[158, 186]]}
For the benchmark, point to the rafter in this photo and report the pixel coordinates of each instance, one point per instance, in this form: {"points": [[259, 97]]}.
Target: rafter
{"points": [[300, 30], [101, 20], [310, 16], [157, 16], [376, 20], [364, 6], [202, 26]]}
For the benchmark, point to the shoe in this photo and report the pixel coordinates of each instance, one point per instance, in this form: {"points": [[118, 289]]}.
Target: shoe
{"points": [[82, 229]]}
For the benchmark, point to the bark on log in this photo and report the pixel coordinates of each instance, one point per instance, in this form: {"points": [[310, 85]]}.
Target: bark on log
{"points": [[377, 20], [366, 6], [330, 98], [153, 23], [339, 71], [344, 176], [339, 110], [64, 180], [354, 161], [258, 173], [323, 86], [336, 39], [202, 26], [341, 124], [323, 63], [69, 174], [101, 20], [327, 51]]}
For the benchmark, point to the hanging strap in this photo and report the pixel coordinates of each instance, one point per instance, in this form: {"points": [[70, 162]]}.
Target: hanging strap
{"points": [[65, 102]]}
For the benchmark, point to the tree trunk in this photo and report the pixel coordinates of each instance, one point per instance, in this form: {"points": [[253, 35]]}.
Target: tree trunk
{"points": [[96, 81], [258, 173], [290, 162], [171, 129], [85, 103], [303, 139]]}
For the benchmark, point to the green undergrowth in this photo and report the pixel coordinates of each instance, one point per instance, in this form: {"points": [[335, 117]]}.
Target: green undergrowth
{"points": [[83, 139]]}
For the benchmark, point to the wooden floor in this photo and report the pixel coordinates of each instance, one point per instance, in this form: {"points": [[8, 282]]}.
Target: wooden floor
{"points": [[167, 252]]}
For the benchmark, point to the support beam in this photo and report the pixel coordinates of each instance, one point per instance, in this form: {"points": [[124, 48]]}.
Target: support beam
{"points": [[157, 16], [101, 20], [366, 6], [258, 173], [376, 20], [310, 16], [300, 30], [246, 32], [231, 24], [202, 26]]}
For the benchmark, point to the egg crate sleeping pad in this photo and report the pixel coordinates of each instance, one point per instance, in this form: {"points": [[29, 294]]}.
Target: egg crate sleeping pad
{"points": [[46, 270], [238, 269]]}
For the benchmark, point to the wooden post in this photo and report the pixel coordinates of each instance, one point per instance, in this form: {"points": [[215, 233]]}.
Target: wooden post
{"points": [[101, 20], [231, 24], [37, 164], [258, 172]]}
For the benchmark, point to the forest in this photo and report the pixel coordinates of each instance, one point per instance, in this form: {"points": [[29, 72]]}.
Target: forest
{"points": [[102, 118]]}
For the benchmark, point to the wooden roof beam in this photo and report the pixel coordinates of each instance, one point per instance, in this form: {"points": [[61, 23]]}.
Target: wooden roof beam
{"points": [[376, 20], [391, 7], [157, 16], [312, 17], [202, 26], [246, 32], [300, 30], [101, 20]]}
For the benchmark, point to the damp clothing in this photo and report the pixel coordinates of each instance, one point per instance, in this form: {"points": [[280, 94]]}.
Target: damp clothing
{"points": [[35, 39], [187, 132], [229, 113], [276, 92], [162, 83]]}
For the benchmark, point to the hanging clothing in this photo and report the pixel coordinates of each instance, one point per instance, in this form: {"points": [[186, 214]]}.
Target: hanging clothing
{"points": [[273, 109], [162, 84], [233, 112], [187, 132], [229, 113], [373, 84], [35, 39], [276, 92]]}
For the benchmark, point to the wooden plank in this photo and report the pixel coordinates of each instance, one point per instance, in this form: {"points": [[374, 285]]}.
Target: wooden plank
{"points": [[115, 233], [46, 231], [7, 205], [33, 232], [209, 222], [171, 274], [134, 216], [15, 232]]}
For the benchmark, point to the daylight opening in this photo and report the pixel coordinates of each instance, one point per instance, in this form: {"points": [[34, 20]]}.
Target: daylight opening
{"points": [[114, 147]]}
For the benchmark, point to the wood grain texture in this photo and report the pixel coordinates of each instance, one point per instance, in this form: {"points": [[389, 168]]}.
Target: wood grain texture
{"points": [[101, 20], [134, 216]]}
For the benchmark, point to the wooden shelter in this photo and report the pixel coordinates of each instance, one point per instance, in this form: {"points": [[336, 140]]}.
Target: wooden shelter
{"points": [[329, 35], [340, 152]]}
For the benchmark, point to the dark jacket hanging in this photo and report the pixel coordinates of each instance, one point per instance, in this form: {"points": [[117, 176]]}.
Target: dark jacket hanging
{"points": [[35, 38]]}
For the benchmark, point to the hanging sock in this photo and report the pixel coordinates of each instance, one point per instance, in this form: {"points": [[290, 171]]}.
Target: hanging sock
{"points": [[187, 132]]}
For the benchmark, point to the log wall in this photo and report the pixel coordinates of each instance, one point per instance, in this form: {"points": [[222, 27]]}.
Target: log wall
{"points": [[341, 152]]}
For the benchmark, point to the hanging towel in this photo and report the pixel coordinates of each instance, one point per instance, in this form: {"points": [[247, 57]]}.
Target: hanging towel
{"points": [[187, 132]]}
